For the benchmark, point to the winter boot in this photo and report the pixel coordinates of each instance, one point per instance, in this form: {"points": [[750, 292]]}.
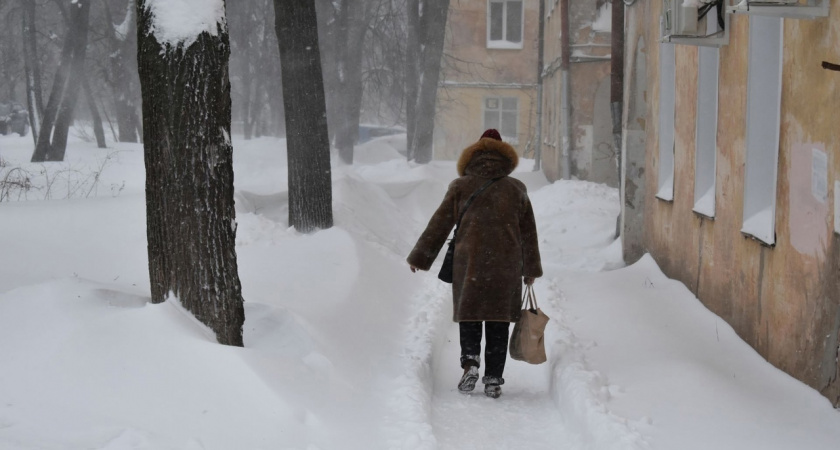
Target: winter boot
{"points": [[468, 380], [493, 386]]}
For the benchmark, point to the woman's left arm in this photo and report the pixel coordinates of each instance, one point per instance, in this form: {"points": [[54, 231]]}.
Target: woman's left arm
{"points": [[531, 265]]}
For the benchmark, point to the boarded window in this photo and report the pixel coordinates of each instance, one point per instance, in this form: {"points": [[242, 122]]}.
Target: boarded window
{"points": [[667, 90], [706, 138], [764, 97]]}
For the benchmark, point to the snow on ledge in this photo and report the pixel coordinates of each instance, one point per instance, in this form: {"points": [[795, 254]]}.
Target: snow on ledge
{"points": [[181, 21]]}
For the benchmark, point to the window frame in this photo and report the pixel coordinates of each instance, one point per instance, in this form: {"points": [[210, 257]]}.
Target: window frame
{"points": [[509, 139], [504, 43]]}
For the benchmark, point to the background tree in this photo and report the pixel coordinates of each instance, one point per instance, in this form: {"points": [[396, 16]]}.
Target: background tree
{"points": [[426, 32], [32, 66], [255, 70], [347, 25], [121, 68], [307, 138], [58, 115], [189, 175]]}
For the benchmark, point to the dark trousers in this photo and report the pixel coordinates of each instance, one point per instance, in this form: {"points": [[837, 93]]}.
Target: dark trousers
{"points": [[495, 351]]}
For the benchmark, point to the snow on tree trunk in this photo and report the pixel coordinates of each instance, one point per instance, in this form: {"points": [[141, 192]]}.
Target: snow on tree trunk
{"points": [[307, 138], [190, 215]]}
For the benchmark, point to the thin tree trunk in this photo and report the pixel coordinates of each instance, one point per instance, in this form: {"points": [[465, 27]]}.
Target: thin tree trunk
{"points": [[307, 138], [191, 222], [412, 73], [32, 67], [122, 88], [98, 131], [352, 31], [434, 23], [52, 141]]}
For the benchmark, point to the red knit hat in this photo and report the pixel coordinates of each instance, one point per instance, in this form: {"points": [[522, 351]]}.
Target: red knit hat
{"points": [[492, 133]]}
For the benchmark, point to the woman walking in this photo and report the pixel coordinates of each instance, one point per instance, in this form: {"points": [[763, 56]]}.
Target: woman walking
{"points": [[496, 250]]}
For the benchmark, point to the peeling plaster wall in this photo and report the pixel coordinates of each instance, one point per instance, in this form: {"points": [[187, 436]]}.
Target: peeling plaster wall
{"points": [[783, 300], [590, 112]]}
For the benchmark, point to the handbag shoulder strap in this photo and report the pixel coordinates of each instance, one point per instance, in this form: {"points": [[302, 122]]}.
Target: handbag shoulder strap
{"points": [[469, 201]]}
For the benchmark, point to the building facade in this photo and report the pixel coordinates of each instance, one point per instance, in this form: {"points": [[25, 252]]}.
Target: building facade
{"points": [[488, 75], [592, 153], [732, 175]]}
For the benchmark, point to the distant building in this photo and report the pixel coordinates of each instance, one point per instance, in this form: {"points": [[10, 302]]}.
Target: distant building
{"points": [[489, 75], [732, 179]]}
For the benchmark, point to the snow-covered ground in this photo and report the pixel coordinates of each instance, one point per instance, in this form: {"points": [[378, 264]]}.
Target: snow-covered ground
{"points": [[344, 347]]}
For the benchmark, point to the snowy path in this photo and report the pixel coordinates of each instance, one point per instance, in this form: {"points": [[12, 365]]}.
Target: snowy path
{"points": [[346, 349], [524, 417]]}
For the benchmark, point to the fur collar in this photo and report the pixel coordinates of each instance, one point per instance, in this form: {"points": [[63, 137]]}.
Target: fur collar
{"points": [[502, 148]]}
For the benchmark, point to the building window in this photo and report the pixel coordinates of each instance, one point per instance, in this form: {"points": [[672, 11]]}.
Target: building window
{"points": [[504, 24], [706, 137], [667, 105], [764, 98], [502, 113]]}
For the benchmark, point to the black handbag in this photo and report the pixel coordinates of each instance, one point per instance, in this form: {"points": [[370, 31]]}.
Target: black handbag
{"points": [[445, 273]]}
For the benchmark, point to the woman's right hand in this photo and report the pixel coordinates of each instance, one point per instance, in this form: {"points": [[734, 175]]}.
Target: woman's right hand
{"points": [[528, 280], [413, 269]]}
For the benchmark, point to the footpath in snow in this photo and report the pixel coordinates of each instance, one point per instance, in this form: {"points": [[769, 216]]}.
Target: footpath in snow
{"points": [[345, 348]]}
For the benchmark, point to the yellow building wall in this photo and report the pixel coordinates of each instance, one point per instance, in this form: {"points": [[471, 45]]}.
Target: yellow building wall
{"points": [[471, 72], [783, 300], [591, 141]]}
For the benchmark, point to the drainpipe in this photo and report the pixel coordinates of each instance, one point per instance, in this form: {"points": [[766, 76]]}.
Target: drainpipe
{"points": [[565, 89], [617, 90], [540, 62], [617, 75]]}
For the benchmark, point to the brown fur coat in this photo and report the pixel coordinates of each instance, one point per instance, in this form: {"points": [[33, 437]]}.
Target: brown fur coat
{"points": [[497, 240]]}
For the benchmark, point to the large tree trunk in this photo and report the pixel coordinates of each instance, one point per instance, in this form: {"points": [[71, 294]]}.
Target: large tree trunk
{"points": [[351, 34], [433, 24], [307, 139], [32, 67], [52, 140], [190, 213]]}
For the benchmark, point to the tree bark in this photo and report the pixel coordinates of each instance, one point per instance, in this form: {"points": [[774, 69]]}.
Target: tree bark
{"points": [[433, 23], [32, 68], [307, 138], [190, 213], [98, 131], [58, 116]]}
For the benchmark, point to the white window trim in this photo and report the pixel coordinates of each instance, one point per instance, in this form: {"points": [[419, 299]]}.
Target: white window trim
{"points": [[705, 139], [504, 44], [665, 189], [509, 139], [760, 223]]}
